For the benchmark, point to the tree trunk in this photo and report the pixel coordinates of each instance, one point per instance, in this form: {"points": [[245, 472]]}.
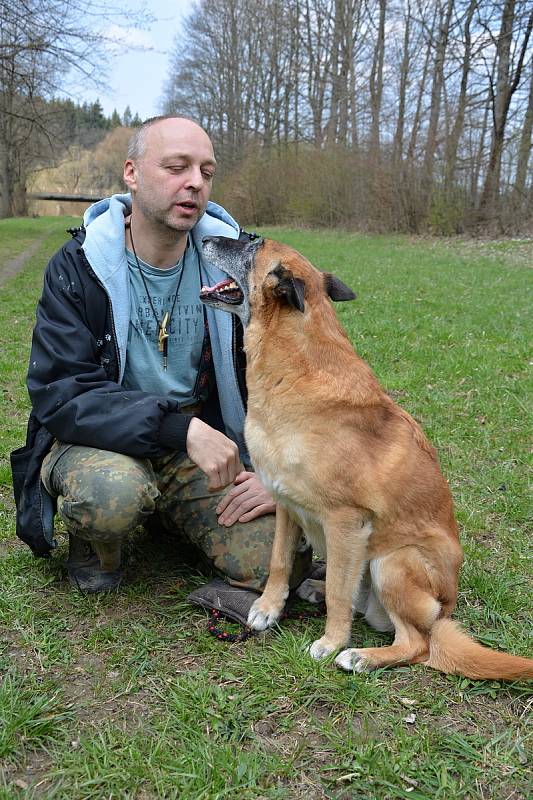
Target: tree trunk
{"points": [[457, 128], [479, 159], [397, 148], [524, 151], [318, 57], [376, 84], [5, 184], [332, 125], [506, 85], [435, 103], [413, 139]]}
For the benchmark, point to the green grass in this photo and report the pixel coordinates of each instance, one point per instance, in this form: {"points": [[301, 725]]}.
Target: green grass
{"points": [[128, 696], [18, 234]]}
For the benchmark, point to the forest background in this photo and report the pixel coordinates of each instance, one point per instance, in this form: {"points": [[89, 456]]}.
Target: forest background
{"points": [[379, 115]]}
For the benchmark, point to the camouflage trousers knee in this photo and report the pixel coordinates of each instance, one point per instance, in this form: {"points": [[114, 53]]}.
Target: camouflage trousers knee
{"points": [[102, 496]]}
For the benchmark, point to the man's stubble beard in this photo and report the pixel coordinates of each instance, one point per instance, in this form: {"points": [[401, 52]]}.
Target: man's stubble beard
{"points": [[164, 218]]}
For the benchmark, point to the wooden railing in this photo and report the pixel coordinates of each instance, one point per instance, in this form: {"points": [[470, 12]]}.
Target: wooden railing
{"points": [[67, 198]]}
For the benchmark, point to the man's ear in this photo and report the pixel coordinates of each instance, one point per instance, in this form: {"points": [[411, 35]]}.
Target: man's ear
{"points": [[129, 175], [336, 289], [288, 288]]}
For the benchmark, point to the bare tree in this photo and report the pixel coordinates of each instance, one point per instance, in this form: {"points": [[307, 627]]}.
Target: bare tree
{"points": [[524, 149], [454, 137], [406, 80], [427, 26], [441, 43], [512, 40], [41, 43], [376, 82], [317, 53], [402, 88]]}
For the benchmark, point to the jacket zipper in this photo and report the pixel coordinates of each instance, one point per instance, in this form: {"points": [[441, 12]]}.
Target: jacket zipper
{"points": [[204, 345], [234, 357], [93, 275]]}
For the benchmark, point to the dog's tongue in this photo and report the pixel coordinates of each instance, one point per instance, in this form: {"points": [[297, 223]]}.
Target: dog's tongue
{"points": [[218, 285]]}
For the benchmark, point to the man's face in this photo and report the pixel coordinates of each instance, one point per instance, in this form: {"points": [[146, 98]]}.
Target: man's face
{"points": [[171, 182]]}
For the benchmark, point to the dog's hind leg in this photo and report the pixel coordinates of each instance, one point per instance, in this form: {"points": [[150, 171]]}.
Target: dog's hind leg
{"points": [[346, 533], [268, 608], [404, 590]]}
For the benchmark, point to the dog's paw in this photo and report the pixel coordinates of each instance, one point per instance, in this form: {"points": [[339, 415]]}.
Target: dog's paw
{"points": [[312, 590], [352, 661], [322, 648], [261, 616]]}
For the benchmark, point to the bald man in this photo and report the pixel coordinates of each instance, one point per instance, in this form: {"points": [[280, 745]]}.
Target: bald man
{"points": [[138, 390]]}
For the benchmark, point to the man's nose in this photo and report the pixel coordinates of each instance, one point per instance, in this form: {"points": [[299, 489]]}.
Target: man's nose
{"points": [[195, 179]]}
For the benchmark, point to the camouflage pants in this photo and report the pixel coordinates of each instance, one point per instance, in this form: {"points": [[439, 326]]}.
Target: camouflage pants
{"points": [[102, 496]]}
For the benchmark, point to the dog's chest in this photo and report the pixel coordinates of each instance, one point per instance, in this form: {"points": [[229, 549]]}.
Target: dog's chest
{"points": [[278, 459], [280, 462]]}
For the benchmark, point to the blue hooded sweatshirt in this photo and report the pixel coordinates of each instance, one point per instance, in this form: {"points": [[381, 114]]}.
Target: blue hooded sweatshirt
{"points": [[104, 248]]}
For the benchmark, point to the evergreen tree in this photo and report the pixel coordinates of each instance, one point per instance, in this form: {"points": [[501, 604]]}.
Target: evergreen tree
{"points": [[115, 121], [98, 119]]}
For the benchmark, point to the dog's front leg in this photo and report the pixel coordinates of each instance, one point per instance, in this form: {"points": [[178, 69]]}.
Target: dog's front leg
{"points": [[346, 535], [268, 608]]}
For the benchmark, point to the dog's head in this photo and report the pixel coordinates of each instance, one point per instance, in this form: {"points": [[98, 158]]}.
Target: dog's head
{"points": [[263, 272]]}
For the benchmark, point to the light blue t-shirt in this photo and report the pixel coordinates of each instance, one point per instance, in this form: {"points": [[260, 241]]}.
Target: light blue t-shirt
{"points": [[144, 362]]}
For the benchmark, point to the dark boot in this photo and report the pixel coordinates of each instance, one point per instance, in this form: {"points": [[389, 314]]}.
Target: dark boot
{"points": [[85, 570]]}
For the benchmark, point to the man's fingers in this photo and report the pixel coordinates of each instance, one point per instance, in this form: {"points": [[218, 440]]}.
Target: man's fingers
{"points": [[231, 467], [230, 496], [235, 509], [231, 514], [226, 506], [214, 453], [243, 476], [258, 511], [223, 504], [213, 480]]}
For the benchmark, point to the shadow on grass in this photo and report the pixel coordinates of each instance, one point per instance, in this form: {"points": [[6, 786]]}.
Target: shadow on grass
{"points": [[152, 557]]}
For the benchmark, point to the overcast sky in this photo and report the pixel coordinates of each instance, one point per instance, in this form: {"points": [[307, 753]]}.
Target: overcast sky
{"points": [[136, 77]]}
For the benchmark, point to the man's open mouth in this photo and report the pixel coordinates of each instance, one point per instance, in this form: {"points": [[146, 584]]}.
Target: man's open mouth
{"points": [[225, 291], [187, 204]]}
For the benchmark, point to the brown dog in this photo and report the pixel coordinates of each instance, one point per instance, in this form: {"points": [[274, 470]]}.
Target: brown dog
{"points": [[348, 467]]}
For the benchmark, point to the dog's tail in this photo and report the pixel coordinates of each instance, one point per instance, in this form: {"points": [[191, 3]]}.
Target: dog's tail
{"points": [[452, 651]]}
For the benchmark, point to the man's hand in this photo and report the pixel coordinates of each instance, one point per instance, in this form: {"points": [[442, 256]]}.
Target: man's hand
{"points": [[247, 500], [214, 453]]}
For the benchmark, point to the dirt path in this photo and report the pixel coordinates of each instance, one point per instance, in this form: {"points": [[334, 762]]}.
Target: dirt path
{"points": [[15, 265]]}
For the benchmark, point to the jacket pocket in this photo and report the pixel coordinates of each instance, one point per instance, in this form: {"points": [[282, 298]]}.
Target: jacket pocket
{"points": [[35, 508], [20, 460]]}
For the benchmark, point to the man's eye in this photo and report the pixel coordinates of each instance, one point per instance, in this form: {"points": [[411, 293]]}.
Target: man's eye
{"points": [[208, 176], [176, 167]]}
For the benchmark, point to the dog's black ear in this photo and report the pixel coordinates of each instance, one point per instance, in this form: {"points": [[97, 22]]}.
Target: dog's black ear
{"points": [[336, 289], [289, 288]]}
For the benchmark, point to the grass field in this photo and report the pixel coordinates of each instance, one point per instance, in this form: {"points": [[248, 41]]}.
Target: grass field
{"points": [[128, 696]]}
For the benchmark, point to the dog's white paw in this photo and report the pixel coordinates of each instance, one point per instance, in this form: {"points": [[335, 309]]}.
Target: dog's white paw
{"points": [[259, 619], [352, 661], [321, 649]]}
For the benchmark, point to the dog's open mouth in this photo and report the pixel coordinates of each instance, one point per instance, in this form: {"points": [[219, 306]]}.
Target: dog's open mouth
{"points": [[225, 291]]}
